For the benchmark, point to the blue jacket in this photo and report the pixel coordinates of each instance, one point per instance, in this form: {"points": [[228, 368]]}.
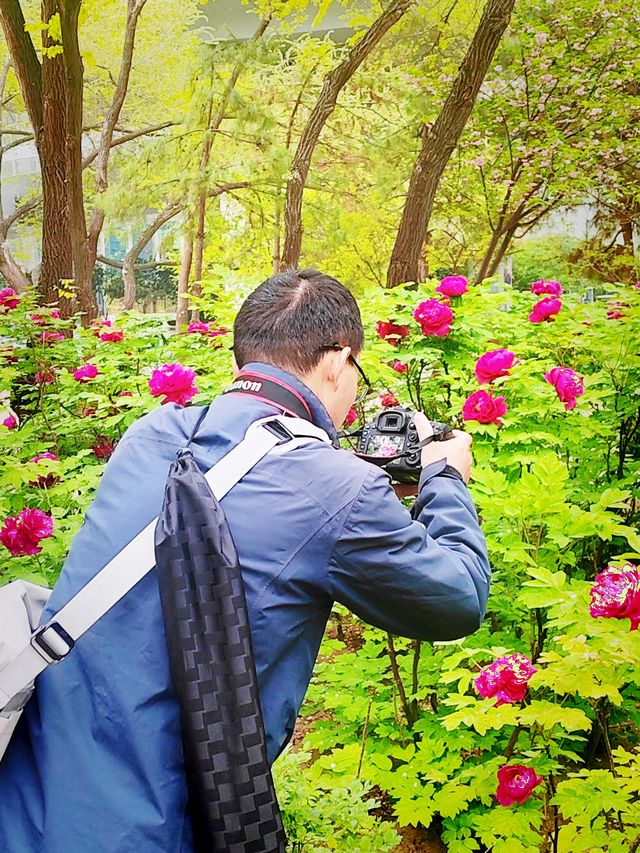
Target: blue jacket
{"points": [[96, 763]]}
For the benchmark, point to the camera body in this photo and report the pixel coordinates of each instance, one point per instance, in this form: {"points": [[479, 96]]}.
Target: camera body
{"points": [[393, 436]]}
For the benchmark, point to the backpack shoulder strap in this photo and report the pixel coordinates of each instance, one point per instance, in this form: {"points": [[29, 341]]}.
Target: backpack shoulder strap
{"points": [[53, 641]]}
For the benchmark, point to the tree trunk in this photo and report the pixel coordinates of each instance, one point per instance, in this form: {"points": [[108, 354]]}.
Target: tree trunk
{"points": [[439, 141], [182, 308], [57, 251], [15, 276], [334, 82], [128, 267], [502, 250], [483, 272]]}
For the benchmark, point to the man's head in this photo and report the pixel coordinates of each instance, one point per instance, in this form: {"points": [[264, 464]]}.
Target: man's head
{"points": [[292, 320]]}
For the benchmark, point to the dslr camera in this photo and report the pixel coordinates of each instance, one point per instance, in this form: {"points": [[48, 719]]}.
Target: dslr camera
{"points": [[391, 441]]}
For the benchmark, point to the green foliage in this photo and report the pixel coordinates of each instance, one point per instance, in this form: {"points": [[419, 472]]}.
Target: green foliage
{"points": [[320, 815]]}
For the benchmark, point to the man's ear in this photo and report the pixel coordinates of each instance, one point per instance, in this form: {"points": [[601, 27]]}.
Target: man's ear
{"points": [[337, 363]]}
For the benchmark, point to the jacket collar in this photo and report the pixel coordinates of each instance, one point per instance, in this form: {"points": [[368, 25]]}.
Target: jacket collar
{"points": [[319, 414]]}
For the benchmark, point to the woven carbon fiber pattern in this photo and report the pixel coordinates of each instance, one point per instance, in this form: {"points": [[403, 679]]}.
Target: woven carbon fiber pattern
{"points": [[232, 799]]}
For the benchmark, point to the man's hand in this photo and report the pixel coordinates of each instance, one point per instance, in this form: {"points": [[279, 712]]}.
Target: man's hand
{"points": [[457, 450]]}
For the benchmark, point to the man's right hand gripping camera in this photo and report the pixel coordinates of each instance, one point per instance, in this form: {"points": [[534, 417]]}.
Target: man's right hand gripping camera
{"points": [[391, 441]]}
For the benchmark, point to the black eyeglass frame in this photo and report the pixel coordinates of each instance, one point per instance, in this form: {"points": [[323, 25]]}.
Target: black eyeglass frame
{"points": [[368, 387]]}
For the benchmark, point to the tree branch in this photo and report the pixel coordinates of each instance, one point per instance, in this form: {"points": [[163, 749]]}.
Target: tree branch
{"points": [[25, 60]]}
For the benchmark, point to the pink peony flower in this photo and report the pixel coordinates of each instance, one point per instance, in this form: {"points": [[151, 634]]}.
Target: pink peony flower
{"points": [[543, 286], [85, 373], [399, 366], [482, 407], [388, 399], [174, 382], [616, 594], [506, 679], [55, 314], [198, 328], [22, 533], [391, 332], [435, 317], [98, 325], [9, 298], [453, 285], [43, 319], [516, 783], [545, 309], [352, 417], [567, 383], [496, 362], [614, 312], [45, 376], [51, 337], [10, 422], [125, 394], [103, 448], [45, 481], [113, 335]]}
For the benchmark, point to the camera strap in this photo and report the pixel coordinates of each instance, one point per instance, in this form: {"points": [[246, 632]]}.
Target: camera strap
{"points": [[271, 390]]}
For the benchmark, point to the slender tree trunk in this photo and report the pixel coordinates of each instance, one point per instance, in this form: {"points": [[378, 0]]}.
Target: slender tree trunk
{"points": [[213, 125], [128, 267], [182, 308], [483, 272], [334, 82], [502, 251], [439, 141]]}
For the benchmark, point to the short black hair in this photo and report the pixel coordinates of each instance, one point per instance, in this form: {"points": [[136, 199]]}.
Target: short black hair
{"points": [[289, 318]]}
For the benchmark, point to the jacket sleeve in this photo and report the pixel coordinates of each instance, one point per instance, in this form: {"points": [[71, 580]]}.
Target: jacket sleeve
{"points": [[426, 578]]}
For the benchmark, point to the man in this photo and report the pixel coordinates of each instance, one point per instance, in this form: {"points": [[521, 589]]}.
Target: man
{"points": [[97, 761]]}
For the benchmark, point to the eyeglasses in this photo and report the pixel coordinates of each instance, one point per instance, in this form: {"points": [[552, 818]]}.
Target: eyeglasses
{"points": [[364, 385]]}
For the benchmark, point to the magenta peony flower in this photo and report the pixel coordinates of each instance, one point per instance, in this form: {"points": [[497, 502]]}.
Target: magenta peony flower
{"points": [[542, 286], [435, 317], [482, 407], [453, 285], [10, 422], [567, 383], [112, 335], [391, 332], [22, 533], [198, 328], [388, 399], [399, 366], [545, 309], [352, 417], [174, 382], [45, 481], [506, 678], [85, 373], [103, 448], [616, 594], [516, 783], [51, 337], [9, 298], [496, 362]]}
